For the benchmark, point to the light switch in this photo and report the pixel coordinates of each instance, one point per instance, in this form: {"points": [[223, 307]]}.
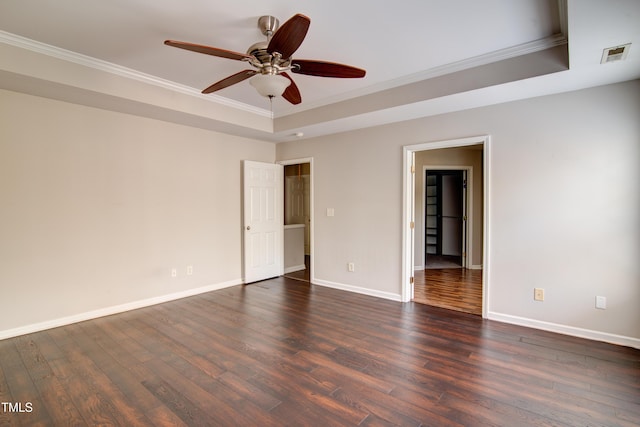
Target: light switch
{"points": [[330, 212]]}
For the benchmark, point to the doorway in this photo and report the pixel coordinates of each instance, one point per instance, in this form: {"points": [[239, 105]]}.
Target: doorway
{"points": [[444, 207], [415, 246], [298, 208]]}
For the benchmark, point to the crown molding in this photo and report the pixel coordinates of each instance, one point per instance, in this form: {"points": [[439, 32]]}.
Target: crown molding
{"points": [[563, 17], [465, 64], [100, 65]]}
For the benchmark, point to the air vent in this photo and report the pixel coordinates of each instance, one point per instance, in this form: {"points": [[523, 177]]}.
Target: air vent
{"points": [[616, 53]]}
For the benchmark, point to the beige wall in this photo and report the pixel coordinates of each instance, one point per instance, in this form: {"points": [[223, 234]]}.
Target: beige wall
{"points": [[97, 207], [450, 157], [564, 206]]}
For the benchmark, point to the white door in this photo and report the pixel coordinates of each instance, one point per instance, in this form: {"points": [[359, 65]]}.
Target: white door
{"points": [[307, 214], [263, 221], [294, 200], [297, 205]]}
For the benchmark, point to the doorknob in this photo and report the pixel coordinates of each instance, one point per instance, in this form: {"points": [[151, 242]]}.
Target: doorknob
{"points": [[248, 227]]}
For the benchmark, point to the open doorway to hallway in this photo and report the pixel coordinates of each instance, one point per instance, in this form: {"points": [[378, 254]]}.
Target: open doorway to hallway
{"points": [[449, 201], [455, 276], [297, 221]]}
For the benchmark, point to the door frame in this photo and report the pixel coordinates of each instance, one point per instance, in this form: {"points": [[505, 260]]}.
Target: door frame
{"points": [[408, 211], [311, 209], [467, 236]]}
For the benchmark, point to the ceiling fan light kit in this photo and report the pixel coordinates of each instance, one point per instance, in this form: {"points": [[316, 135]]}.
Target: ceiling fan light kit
{"points": [[272, 59], [270, 85]]}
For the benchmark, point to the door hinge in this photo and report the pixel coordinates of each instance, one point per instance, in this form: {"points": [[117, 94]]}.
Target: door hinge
{"points": [[413, 168], [464, 184], [412, 225], [411, 280]]}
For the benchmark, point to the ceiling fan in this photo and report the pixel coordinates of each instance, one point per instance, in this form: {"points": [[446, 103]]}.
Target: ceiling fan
{"points": [[272, 59]]}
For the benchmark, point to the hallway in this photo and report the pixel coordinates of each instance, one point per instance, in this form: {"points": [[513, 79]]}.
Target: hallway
{"points": [[302, 275], [456, 289]]}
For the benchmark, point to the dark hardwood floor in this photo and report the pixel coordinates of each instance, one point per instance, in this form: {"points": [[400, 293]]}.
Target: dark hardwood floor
{"points": [[283, 352], [457, 289], [304, 275]]}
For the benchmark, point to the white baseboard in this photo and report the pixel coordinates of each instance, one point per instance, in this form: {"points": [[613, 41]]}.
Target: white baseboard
{"points": [[358, 290], [295, 268], [472, 267], [566, 330], [107, 311]]}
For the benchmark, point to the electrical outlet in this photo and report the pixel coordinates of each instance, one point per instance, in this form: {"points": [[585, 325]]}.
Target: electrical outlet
{"points": [[538, 294], [189, 270], [601, 302], [351, 267], [174, 272]]}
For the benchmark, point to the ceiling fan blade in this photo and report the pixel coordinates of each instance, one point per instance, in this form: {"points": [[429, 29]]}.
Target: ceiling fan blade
{"points": [[231, 80], [326, 69], [288, 38], [292, 93], [223, 53]]}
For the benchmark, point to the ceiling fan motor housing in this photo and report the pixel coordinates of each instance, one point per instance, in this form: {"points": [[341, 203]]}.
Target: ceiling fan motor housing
{"points": [[259, 51], [267, 63]]}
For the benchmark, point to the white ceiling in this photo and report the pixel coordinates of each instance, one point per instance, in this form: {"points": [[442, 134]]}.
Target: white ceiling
{"points": [[399, 43]]}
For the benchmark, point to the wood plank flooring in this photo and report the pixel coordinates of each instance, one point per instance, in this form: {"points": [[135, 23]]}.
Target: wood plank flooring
{"points": [[283, 352], [304, 275], [457, 289]]}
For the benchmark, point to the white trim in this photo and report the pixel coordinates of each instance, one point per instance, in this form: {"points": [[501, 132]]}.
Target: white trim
{"points": [[311, 208], [407, 209], [465, 64], [108, 311], [470, 267], [118, 70], [358, 290], [406, 287], [486, 226], [566, 330], [295, 268], [563, 18], [293, 226], [98, 64]]}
